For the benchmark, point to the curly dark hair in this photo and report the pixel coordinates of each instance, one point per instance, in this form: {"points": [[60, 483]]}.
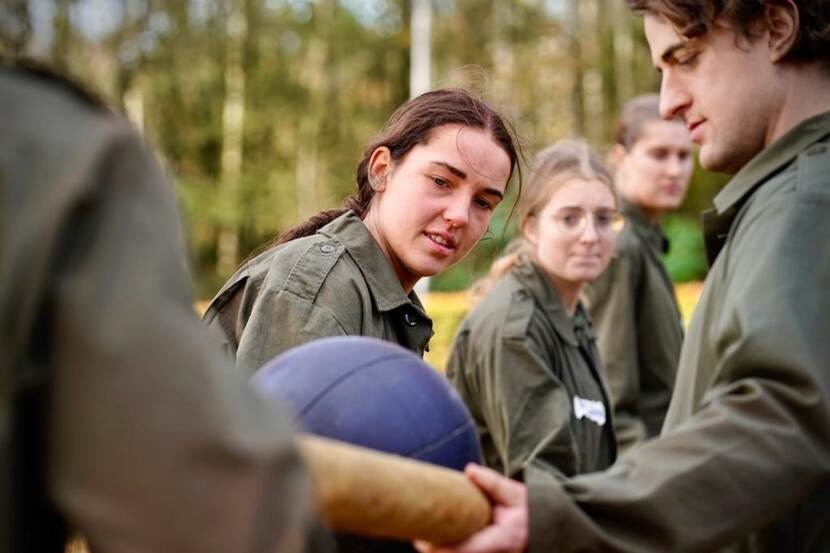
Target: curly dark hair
{"points": [[695, 18]]}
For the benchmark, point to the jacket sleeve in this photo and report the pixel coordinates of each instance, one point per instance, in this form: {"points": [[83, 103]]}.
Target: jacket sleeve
{"points": [[759, 442], [154, 443], [521, 402], [611, 300]]}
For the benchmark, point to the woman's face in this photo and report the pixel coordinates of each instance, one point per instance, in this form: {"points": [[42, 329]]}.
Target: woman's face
{"points": [[432, 206], [654, 174], [573, 234]]}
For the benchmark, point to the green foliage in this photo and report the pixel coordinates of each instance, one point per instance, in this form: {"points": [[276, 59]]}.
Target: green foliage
{"points": [[686, 260], [704, 187], [318, 78]]}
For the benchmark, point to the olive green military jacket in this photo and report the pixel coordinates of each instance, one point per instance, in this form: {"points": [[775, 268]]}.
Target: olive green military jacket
{"points": [[639, 329], [333, 283], [126, 423], [745, 452], [531, 377]]}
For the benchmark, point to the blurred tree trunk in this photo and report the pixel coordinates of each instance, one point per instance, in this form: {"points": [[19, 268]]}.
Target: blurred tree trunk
{"points": [[62, 27], [15, 34], [577, 67], [420, 48], [623, 52], [233, 115], [317, 76], [502, 55], [607, 66]]}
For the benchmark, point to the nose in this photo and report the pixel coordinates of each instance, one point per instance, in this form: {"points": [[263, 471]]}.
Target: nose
{"points": [[674, 166], [457, 210], [589, 233], [674, 98]]}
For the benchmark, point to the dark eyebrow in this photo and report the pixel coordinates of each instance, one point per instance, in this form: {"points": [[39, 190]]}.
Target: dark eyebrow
{"points": [[462, 175], [452, 169], [494, 192]]}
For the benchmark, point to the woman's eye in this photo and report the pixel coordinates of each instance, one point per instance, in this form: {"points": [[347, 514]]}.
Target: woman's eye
{"points": [[570, 220], [440, 182], [604, 220], [483, 204]]}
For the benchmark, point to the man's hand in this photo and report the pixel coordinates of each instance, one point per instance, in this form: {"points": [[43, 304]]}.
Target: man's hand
{"points": [[507, 532]]}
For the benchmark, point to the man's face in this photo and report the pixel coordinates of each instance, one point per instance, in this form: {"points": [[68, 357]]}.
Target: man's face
{"points": [[724, 86]]}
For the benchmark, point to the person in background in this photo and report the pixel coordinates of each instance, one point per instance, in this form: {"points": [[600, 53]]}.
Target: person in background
{"points": [[525, 359], [427, 187], [121, 421], [633, 305]]}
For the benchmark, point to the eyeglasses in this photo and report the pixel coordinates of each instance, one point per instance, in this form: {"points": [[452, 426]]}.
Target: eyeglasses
{"points": [[607, 223]]}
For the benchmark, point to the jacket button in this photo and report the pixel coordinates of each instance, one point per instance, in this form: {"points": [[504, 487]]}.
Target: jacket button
{"points": [[327, 248], [409, 318]]}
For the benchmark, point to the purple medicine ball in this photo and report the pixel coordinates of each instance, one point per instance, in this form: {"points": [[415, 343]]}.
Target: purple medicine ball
{"points": [[375, 394]]}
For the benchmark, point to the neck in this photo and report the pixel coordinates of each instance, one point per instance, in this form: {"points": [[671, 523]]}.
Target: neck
{"points": [[805, 96], [406, 279], [652, 215], [568, 292]]}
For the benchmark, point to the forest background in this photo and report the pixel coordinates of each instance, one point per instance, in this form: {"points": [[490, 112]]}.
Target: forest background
{"points": [[259, 109]]}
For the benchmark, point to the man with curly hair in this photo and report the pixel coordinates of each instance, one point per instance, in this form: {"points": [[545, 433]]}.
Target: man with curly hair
{"points": [[743, 461]]}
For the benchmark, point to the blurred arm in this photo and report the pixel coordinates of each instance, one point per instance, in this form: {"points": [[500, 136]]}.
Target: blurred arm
{"points": [[154, 444]]}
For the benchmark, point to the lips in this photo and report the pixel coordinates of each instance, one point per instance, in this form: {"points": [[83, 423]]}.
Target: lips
{"points": [[695, 131], [443, 239], [585, 256], [671, 188]]}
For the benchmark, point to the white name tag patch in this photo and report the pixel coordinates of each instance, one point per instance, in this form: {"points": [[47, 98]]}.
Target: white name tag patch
{"points": [[592, 410]]}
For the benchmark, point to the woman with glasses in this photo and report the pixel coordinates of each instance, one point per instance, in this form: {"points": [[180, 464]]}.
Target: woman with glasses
{"points": [[524, 359]]}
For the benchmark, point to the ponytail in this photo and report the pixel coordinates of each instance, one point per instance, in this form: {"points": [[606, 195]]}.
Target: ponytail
{"points": [[517, 252]]}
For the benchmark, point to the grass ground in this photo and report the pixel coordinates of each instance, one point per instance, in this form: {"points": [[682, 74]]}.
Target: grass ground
{"points": [[447, 310]]}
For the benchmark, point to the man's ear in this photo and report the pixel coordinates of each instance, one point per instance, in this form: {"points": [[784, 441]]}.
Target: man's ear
{"points": [[782, 21], [380, 165]]}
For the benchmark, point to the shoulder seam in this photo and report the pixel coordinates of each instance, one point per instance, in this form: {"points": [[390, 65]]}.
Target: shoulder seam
{"points": [[305, 279]]}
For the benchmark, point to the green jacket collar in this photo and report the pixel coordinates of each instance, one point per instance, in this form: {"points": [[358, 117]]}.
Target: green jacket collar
{"points": [[534, 279], [363, 248], [718, 221], [642, 226]]}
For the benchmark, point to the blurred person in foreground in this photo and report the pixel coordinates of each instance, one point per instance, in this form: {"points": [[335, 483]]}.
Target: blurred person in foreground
{"points": [[120, 420], [632, 304], [743, 461]]}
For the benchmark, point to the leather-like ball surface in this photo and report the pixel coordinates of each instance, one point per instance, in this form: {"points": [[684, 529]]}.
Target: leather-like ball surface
{"points": [[374, 394]]}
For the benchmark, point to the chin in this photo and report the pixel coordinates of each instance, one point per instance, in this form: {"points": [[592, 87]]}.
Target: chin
{"points": [[712, 159], [584, 276], [431, 269]]}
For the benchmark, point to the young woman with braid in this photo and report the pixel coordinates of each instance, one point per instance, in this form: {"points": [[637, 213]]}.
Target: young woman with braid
{"points": [[426, 190]]}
